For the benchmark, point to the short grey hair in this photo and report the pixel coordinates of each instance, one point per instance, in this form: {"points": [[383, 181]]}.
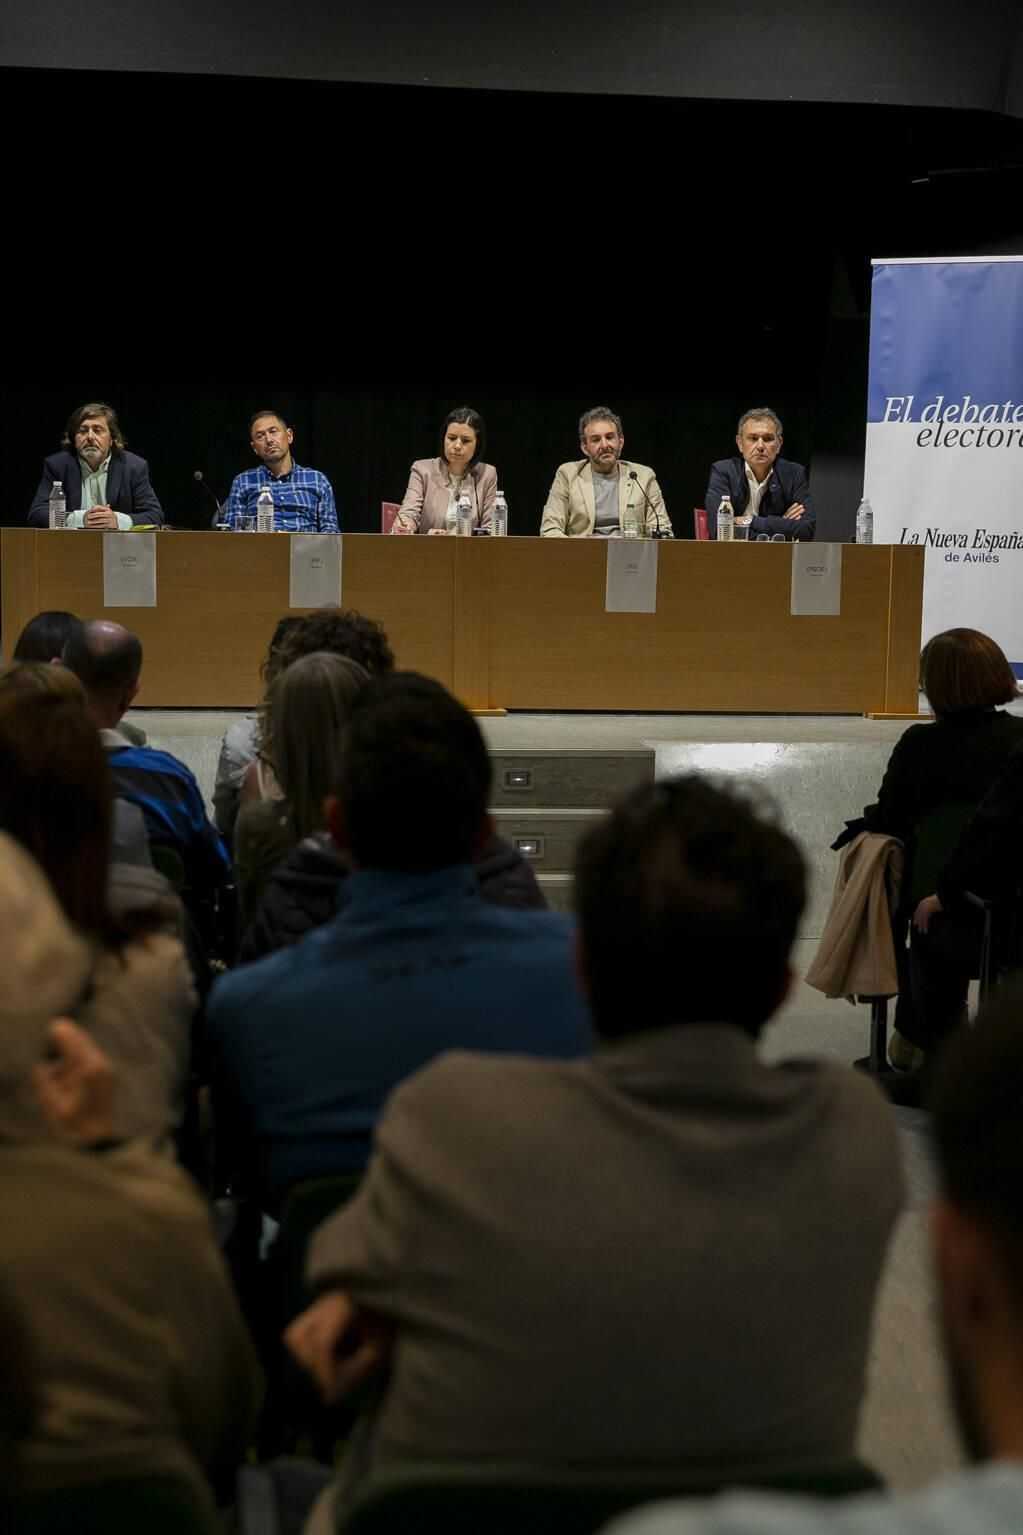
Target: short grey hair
{"points": [[599, 413], [764, 413]]}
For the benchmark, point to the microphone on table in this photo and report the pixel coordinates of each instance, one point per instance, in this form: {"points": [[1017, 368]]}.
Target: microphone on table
{"points": [[658, 531], [200, 478]]}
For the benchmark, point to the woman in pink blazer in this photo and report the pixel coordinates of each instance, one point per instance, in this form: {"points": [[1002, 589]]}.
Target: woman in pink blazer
{"points": [[435, 482]]}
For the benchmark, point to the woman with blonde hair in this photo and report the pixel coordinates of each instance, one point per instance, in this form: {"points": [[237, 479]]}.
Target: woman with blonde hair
{"points": [[307, 708]]}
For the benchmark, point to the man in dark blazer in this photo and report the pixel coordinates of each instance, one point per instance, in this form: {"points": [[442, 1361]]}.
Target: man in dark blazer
{"points": [[770, 490], [106, 487]]}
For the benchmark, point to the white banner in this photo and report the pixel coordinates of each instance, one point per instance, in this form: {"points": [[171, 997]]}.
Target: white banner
{"points": [[944, 458]]}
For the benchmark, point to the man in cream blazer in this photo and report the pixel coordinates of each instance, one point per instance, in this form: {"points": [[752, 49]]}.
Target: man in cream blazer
{"points": [[582, 501]]}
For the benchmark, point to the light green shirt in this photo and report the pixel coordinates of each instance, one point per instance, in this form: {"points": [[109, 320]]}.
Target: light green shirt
{"points": [[94, 493]]}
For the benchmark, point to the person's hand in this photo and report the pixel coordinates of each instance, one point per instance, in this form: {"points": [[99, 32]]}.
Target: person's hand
{"points": [[925, 911], [100, 517], [397, 526], [75, 1085], [797, 509], [441, 532], [316, 1337]]}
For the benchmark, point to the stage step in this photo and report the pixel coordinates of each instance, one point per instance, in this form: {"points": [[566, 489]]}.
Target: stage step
{"points": [[570, 779]]}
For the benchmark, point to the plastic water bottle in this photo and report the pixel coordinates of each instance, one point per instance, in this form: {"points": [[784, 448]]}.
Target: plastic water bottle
{"points": [[265, 512], [499, 517], [864, 523], [58, 505], [464, 517], [630, 522], [726, 521]]}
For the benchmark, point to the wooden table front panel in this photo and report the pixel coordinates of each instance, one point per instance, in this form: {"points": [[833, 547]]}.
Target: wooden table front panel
{"points": [[510, 623], [722, 638], [219, 597]]}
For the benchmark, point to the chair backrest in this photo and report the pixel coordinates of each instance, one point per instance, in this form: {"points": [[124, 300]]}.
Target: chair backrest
{"points": [[306, 1206], [700, 525], [935, 836], [388, 511], [466, 1498], [156, 1505], [168, 862]]}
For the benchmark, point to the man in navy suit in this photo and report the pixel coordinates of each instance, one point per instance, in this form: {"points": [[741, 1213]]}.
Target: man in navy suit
{"points": [[769, 490], [105, 486]]}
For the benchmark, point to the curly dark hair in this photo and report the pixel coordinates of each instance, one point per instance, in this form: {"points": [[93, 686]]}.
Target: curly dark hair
{"points": [[338, 633]]}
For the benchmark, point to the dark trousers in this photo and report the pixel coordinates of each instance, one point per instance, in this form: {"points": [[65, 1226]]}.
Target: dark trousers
{"points": [[935, 970]]}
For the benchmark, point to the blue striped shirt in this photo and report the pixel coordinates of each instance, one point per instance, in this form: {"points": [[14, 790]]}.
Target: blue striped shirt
{"points": [[303, 500]]}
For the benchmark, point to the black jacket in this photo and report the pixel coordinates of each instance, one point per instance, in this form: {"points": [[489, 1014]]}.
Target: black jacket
{"points": [[302, 893], [785, 488], [128, 488]]}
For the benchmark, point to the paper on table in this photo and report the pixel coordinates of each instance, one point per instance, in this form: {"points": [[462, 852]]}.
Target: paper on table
{"points": [[129, 570], [816, 580], [315, 570], [631, 575]]}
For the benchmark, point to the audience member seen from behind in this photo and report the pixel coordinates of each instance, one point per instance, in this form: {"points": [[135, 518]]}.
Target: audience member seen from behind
{"points": [[142, 1367], [951, 763], [56, 800], [328, 629], [303, 891], [129, 843], [308, 706], [44, 636], [638, 1222], [107, 660], [105, 486], [977, 1253], [240, 745], [313, 1038], [436, 484]]}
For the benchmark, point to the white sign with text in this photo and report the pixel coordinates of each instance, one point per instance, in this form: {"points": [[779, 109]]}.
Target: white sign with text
{"points": [[315, 570], [816, 580], [129, 570], [631, 575]]}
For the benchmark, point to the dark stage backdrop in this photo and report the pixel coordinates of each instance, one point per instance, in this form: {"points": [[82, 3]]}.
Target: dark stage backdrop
{"points": [[368, 256]]}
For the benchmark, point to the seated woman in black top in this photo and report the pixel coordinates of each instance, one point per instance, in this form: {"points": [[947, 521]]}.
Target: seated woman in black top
{"points": [[953, 762]]}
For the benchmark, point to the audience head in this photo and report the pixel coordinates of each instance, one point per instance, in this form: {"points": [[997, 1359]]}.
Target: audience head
{"points": [[40, 677], [413, 779], [309, 703], [343, 634], [56, 798], [92, 432], [977, 1100], [463, 439], [272, 660], [45, 972], [107, 660], [43, 637], [688, 904], [963, 671]]}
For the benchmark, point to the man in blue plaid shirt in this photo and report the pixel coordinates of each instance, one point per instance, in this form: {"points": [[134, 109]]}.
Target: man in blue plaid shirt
{"points": [[303, 498]]}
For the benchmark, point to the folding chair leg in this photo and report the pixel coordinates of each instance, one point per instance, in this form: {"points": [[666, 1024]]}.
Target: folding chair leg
{"points": [[878, 1057]]}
